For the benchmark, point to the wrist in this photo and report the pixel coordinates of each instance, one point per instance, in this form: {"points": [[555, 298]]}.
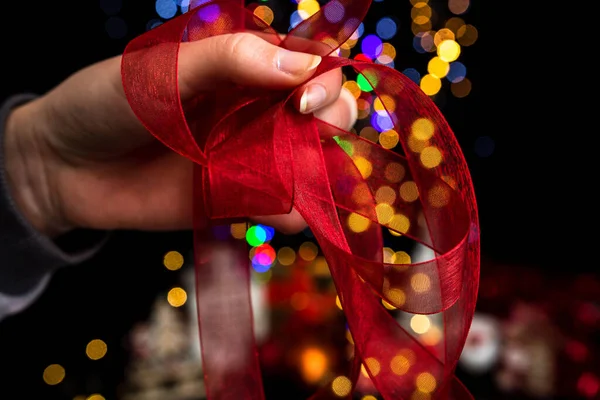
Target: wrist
{"points": [[28, 169]]}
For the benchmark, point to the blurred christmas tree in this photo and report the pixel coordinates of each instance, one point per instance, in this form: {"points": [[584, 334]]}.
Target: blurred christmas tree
{"points": [[163, 367]]}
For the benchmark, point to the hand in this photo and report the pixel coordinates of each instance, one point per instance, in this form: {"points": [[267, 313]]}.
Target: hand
{"points": [[78, 157]]}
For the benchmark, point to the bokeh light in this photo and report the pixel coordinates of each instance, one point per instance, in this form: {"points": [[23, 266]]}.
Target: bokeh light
{"points": [[54, 374], [96, 349], [173, 260], [177, 297]]}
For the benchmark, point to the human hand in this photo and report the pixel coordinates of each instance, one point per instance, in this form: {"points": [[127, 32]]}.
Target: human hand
{"points": [[79, 158]]}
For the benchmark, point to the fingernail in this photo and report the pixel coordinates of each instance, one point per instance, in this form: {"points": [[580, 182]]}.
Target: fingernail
{"points": [[295, 63], [312, 98]]}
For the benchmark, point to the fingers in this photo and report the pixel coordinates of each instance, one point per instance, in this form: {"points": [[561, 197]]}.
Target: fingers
{"points": [[342, 113], [243, 59], [319, 92], [288, 224]]}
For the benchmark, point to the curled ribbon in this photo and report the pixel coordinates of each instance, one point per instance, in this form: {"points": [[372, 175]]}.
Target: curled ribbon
{"points": [[261, 157]]}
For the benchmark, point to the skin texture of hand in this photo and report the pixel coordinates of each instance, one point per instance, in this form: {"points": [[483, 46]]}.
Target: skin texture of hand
{"points": [[77, 157]]}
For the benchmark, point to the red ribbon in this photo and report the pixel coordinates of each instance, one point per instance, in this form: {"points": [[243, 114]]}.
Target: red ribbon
{"points": [[262, 157]]}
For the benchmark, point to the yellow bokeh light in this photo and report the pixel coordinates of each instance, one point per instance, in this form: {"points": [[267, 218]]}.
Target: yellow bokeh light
{"points": [[265, 13], [364, 166], [368, 397], [173, 260], [338, 302], [450, 181], [420, 13], [438, 196], [96, 396], [320, 267], [426, 382], [420, 28], [458, 6], [432, 337], [422, 129], [177, 297], [364, 108], [454, 24], [438, 67], [96, 349], [400, 364], [361, 148], [415, 144], [385, 194], [420, 323], [357, 223], [344, 51], [361, 193], [286, 256], [389, 139], [420, 282], [399, 223], [373, 366], [388, 254], [384, 103], [401, 257], [448, 50], [467, 35], [308, 251], [388, 54], [395, 296], [461, 89], [313, 364], [341, 386], [409, 191], [54, 374], [384, 212], [369, 133], [388, 305], [353, 88], [431, 157], [238, 230], [394, 172], [430, 85], [307, 8], [443, 34], [418, 395]]}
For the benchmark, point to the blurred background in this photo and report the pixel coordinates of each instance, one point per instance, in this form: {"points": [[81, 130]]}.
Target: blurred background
{"points": [[122, 326]]}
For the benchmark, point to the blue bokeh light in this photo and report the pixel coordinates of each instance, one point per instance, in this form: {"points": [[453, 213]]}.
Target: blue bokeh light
{"points": [[457, 72], [372, 46], [386, 28], [269, 232], [166, 8], [295, 19], [413, 75]]}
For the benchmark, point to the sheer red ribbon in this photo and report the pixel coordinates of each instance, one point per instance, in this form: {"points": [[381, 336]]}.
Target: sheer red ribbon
{"points": [[255, 155]]}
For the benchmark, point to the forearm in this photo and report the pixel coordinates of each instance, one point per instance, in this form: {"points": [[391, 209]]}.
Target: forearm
{"points": [[26, 169], [27, 256]]}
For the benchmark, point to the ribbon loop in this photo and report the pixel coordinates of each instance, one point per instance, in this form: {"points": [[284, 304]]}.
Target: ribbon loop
{"points": [[256, 155]]}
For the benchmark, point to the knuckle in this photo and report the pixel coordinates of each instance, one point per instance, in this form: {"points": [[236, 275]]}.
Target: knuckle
{"points": [[238, 44]]}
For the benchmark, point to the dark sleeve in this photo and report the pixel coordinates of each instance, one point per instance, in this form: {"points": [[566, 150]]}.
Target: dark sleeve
{"points": [[27, 257]]}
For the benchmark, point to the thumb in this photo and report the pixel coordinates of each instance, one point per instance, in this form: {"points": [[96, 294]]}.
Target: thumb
{"points": [[243, 59]]}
